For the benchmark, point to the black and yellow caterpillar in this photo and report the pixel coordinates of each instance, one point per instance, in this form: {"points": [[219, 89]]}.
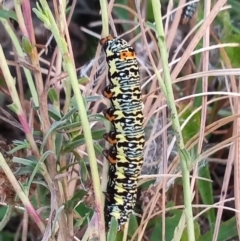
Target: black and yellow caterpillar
{"points": [[188, 12], [127, 137]]}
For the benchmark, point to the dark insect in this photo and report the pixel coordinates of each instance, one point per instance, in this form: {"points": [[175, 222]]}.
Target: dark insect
{"points": [[188, 12], [127, 137]]}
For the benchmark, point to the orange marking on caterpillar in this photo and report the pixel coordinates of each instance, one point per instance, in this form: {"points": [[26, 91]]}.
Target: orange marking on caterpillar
{"points": [[108, 95], [110, 118], [109, 158], [127, 55], [104, 40], [109, 139]]}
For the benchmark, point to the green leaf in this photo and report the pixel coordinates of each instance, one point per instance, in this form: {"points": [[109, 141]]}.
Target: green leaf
{"points": [[42, 197], [74, 102], [27, 167], [93, 98], [67, 166], [233, 53], [3, 83], [53, 127], [178, 232], [171, 224], [158, 230], [54, 113], [84, 80], [196, 231], [70, 146], [83, 211], [80, 140], [98, 148], [69, 113], [151, 26], [40, 14], [53, 95], [122, 13], [133, 225], [14, 108], [42, 183], [78, 196], [26, 170], [19, 146], [24, 161], [112, 233], [39, 167], [84, 171], [193, 125], [55, 220], [96, 117], [227, 230], [71, 127], [58, 143], [4, 221], [206, 192], [26, 44], [98, 134], [8, 14]]}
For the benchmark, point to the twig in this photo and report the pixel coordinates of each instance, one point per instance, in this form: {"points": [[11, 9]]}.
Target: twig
{"points": [[183, 153], [45, 14], [26, 202]]}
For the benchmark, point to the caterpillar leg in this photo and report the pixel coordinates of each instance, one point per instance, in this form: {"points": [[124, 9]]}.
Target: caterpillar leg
{"points": [[111, 155], [110, 137]]}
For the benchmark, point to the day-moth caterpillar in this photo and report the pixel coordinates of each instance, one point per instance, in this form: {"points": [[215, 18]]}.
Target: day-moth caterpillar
{"points": [[127, 137]]}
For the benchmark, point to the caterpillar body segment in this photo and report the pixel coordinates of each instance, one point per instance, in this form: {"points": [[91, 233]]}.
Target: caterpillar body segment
{"points": [[120, 96], [127, 137], [129, 146], [115, 138], [188, 12], [122, 120], [129, 166]]}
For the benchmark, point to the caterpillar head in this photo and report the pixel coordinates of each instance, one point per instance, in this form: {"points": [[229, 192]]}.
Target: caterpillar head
{"points": [[117, 48]]}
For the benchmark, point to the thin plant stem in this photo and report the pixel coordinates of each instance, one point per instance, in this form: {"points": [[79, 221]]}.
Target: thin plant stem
{"points": [[7, 217], [105, 32], [56, 200], [67, 83], [183, 153], [24, 16], [21, 55], [16, 102], [68, 92], [46, 16], [26, 202], [21, 23], [104, 14], [20, 113]]}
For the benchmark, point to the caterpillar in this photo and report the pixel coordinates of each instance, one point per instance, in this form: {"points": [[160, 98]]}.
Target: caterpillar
{"points": [[127, 136], [188, 12]]}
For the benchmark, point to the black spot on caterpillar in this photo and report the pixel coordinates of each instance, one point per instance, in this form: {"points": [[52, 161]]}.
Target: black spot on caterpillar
{"points": [[188, 12], [127, 137]]}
